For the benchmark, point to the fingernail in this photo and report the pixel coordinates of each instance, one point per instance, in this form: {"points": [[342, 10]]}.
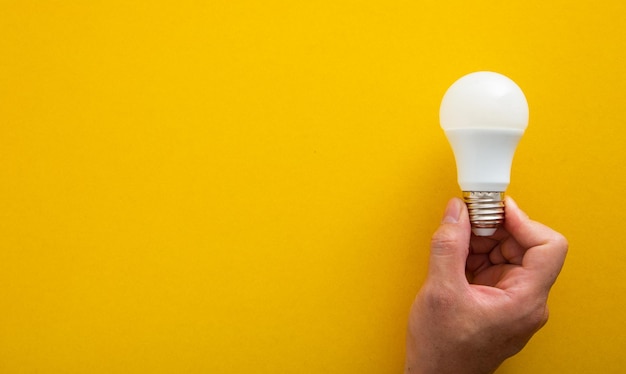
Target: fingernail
{"points": [[453, 211]]}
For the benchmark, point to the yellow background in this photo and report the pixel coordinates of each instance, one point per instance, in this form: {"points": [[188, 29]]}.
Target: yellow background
{"points": [[250, 186]]}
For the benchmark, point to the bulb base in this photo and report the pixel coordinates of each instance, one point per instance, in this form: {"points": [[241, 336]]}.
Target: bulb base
{"points": [[486, 211]]}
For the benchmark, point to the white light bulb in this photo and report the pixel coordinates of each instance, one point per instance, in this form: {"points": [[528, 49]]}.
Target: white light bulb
{"points": [[484, 115]]}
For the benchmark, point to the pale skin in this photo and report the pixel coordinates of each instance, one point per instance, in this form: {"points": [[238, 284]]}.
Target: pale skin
{"points": [[484, 297]]}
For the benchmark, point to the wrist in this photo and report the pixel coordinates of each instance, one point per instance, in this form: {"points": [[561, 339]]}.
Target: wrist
{"points": [[433, 358]]}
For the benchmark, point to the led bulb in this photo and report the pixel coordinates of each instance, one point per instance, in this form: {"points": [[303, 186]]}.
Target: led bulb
{"points": [[484, 115]]}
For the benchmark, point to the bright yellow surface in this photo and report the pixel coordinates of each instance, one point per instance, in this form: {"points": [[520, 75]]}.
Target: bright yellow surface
{"points": [[250, 187]]}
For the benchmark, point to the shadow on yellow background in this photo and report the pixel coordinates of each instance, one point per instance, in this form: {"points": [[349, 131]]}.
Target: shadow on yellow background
{"points": [[238, 186]]}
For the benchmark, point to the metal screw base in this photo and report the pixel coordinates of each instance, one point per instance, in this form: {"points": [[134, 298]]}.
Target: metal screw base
{"points": [[486, 211]]}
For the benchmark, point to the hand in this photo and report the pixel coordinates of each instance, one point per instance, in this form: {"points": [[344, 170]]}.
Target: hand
{"points": [[484, 297]]}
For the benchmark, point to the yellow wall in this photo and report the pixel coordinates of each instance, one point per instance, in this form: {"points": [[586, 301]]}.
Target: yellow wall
{"points": [[236, 186]]}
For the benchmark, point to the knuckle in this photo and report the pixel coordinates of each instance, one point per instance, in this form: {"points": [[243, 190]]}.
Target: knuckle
{"points": [[540, 317], [443, 240], [537, 317], [561, 242], [440, 300]]}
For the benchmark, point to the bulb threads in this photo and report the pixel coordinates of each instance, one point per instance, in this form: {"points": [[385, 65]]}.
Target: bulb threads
{"points": [[486, 210]]}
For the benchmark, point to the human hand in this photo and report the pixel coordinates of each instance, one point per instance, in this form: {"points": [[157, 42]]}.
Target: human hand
{"points": [[484, 297]]}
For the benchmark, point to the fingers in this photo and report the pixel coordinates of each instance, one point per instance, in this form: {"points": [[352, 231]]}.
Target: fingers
{"points": [[477, 263], [545, 248], [450, 245], [508, 251]]}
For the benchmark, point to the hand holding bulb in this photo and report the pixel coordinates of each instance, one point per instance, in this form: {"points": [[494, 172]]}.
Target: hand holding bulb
{"points": [[484, 297], [486, 294], [484, 115]]}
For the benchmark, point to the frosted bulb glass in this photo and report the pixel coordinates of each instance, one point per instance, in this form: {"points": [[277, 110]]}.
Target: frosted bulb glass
{"points": [[484, 115]]}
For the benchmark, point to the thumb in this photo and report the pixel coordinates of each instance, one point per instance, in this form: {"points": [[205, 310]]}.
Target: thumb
{"points": [[449, 246]]}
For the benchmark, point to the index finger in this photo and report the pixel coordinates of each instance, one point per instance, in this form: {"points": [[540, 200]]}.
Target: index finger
{"points": [[546, 248]]}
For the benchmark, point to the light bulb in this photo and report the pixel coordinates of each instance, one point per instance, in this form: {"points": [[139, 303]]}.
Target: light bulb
{"points": [[484, 115]]}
